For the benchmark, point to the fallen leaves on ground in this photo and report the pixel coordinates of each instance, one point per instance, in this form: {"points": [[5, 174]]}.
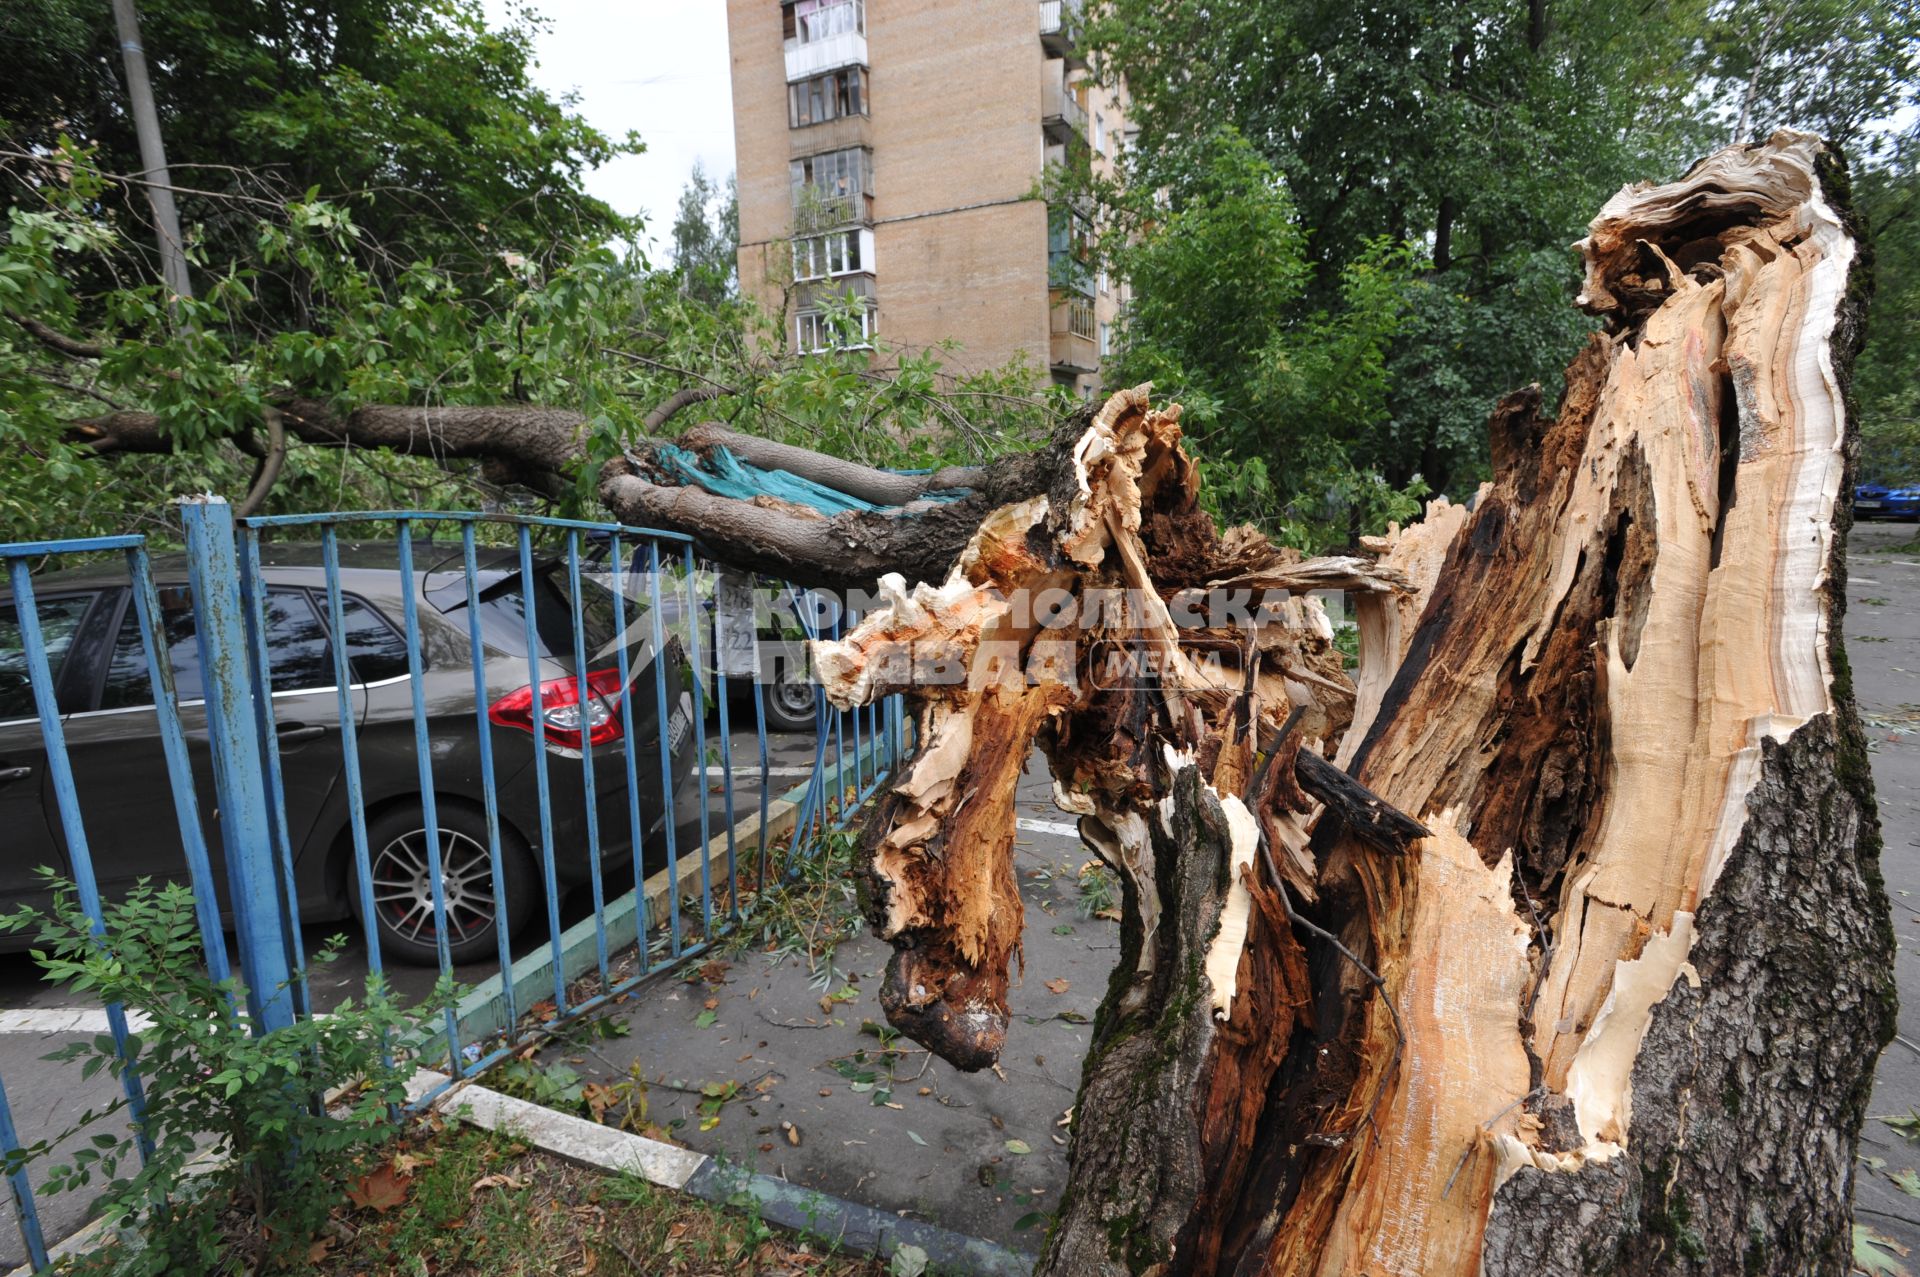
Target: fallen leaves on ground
{"points": [[379, 1190], [1059, 986]]}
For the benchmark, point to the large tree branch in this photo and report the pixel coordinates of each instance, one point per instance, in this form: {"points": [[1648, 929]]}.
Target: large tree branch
{"points": [[54, 339], [882, 487], [267, 470]]}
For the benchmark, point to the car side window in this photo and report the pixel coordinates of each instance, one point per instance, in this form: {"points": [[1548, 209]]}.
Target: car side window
{"points": [[375, 648], [60, 620], [297, 655]]}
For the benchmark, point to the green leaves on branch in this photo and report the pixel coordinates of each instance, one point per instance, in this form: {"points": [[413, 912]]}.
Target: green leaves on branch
{"points": [[233, 1119]]}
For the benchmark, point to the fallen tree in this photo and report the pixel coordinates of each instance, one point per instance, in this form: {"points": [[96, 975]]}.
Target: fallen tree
{"points": [[1554, 941], [1582, 962]]}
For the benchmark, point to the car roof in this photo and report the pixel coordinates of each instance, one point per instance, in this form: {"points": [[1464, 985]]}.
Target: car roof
{"points": [[356, 558]]}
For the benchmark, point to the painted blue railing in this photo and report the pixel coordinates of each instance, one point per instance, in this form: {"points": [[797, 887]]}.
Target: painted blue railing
{"points": [[227, 574]]}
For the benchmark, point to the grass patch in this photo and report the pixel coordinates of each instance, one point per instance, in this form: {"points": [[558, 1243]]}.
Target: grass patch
{"points": [[472, 1203]]}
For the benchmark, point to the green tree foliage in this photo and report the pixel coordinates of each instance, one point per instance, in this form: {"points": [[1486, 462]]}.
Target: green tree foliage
{"points": [[424, 122], [706, 237], [1886, 383], [1480, 136], [591, 332], [1272, 385], [237, 1105]]}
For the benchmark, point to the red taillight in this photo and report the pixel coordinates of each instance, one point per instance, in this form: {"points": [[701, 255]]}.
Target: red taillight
{"points": [[561, 711]]}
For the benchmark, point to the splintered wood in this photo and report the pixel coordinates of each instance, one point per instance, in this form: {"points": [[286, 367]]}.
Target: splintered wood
{"points": [[1403, 937]]}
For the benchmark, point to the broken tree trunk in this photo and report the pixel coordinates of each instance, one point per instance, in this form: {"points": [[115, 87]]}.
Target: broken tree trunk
{"points": [[1575, 957]]}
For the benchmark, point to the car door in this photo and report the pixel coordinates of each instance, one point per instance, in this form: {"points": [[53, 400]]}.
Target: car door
{"points": [[132, 823], [28, 820]]}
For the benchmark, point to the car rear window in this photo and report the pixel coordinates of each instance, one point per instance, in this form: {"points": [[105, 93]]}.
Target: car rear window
{"points": [[503, 615], [59, 621]]}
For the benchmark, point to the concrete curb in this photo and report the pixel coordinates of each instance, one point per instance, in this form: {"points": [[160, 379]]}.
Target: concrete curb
{"points": [[845, 1224]]}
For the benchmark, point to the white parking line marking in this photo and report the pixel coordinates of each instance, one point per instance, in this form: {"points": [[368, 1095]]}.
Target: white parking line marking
{"points": [[65, 1020], [1058, 828]]}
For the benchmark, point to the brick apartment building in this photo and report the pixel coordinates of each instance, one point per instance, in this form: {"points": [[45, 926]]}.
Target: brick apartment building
{"points": [[891, 151]]}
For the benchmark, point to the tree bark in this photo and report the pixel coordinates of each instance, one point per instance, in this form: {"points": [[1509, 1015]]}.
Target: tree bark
{"points": [[1574, 957]]}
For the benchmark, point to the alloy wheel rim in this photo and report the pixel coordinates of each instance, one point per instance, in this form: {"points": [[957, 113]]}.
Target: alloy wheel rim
{"points": [[403, 887]]}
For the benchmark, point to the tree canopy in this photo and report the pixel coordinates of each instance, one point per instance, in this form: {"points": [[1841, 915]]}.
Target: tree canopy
{"points": [[1421, 170]]}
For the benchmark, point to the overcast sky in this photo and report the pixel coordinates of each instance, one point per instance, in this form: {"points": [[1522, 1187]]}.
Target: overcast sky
{"points": [[656, 66]]}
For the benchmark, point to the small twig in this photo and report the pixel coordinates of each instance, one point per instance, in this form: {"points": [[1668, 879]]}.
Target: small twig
{"points": [[1858, 1209], [1485, 1126], [793, 1024]]}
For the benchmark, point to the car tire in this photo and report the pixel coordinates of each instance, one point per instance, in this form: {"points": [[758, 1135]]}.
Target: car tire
{"points": [[396, 850], [791, 707]]}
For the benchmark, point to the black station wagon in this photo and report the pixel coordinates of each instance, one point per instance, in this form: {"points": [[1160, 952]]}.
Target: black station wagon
{"points": [[88, 622]]}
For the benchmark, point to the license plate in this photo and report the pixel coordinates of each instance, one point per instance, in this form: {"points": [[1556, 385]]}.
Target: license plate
{"points": [[1868, 505]]}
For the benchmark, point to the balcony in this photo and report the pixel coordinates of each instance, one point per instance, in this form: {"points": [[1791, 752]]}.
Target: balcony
{"points": [[1062, 117], [1067, 273], [1071, 349], [1060, 30], [826, 37]]}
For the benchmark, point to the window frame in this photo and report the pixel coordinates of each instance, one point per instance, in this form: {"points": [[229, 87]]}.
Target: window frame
{"points": [[817, 320], [794, 28], [819, 253], [75, 688], [838, 94], [315, 599]]}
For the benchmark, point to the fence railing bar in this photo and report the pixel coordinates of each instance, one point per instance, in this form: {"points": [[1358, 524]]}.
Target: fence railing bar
{"points": [[529, 598], [585, 695], [67, 799], [666, 745], [520, 521], [726, 767], [700, 698], [76, 545], [766, 781], [483, 730], [350, 748], [26, 1212], [253, 604], [629, 745], [429, 797], [173, 747]]}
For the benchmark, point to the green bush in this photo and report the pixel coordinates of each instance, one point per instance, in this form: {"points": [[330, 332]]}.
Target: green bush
{"points": [[245, 1150]]}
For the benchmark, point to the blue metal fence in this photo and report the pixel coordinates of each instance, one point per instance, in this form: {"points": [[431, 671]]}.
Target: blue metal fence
{"points": [[571, 717]]}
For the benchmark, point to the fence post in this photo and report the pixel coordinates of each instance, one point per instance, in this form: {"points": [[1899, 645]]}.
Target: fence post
{"points": [[239, 778]]}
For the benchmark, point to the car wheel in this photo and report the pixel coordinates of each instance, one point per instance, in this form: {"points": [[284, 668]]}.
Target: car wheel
{"points": [[790, 706], [403, 889]]}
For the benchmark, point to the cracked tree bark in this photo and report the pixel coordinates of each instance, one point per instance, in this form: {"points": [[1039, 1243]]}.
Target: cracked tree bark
{"points": [[1585, 965]]}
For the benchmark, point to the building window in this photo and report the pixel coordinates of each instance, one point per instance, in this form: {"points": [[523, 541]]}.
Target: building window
{"points": [[818, 256], [1106, 340], [808, 21], [816, 331], [827, 97], [1099, 134], [827, 187]]}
